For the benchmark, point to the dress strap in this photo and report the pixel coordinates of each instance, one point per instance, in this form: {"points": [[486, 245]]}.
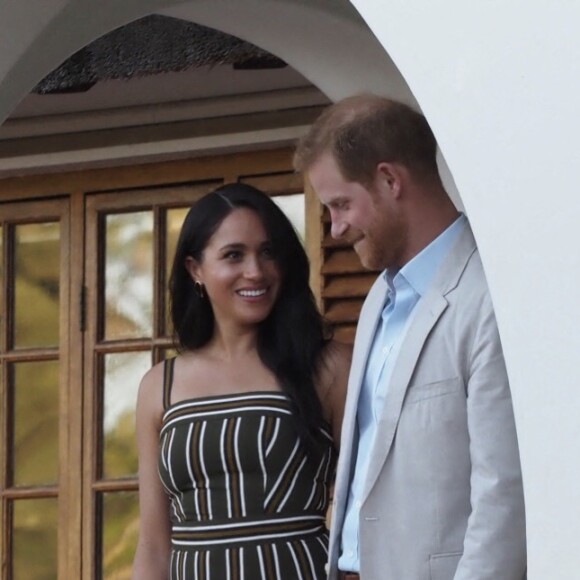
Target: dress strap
{"points": [[167, 381]]}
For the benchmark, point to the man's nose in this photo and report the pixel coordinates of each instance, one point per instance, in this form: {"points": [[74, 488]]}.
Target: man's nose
{"points": [[337, 228]]}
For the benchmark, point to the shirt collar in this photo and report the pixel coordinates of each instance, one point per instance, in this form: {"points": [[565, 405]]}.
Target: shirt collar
{"points": [[419, 272]]}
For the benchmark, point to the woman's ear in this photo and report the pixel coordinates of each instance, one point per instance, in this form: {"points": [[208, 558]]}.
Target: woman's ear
{"points": [[192, 267]]}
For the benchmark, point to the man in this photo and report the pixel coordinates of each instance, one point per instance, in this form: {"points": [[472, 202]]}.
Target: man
{"points": [[428, 483]]}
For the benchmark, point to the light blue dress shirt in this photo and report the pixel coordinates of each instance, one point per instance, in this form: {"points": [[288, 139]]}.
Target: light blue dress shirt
{"points": [[405, 289]]}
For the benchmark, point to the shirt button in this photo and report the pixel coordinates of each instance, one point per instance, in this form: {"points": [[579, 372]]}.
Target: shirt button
{"points": [[358, 504], [350, 553]]}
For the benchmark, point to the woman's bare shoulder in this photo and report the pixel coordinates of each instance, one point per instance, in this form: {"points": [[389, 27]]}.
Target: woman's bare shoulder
{"points": [[152, 380], [150, 396]]}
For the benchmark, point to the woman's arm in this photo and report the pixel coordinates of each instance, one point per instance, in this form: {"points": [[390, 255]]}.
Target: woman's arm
{"points": [[153, 548], [334, 373]]}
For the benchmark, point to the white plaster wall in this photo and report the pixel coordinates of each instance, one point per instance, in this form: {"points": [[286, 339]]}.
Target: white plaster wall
{"points": [[500, 84]]}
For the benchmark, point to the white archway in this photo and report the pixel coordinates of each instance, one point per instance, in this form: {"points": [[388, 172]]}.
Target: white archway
{"points": [[312, 49], [331, 45]]}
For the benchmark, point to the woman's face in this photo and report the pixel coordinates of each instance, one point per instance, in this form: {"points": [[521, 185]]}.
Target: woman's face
{"points": [[238, 270]]}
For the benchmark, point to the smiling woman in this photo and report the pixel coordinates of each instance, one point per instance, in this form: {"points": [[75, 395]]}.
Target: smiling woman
{"points": [[235, 434], [238, 270]]}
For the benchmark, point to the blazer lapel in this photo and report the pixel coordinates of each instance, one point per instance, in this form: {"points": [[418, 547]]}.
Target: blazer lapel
{"points": [[427, 312], [370, 316]]}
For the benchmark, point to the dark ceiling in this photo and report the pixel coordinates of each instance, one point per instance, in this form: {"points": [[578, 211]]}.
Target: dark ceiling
{"points": [[149, 46]]}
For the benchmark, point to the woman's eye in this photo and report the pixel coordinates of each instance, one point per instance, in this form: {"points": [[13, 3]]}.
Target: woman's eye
{"points": [[268, 252], [233, 255]]}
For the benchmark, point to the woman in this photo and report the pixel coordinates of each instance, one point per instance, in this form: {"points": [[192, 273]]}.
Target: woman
{"points": [[235, 453]]}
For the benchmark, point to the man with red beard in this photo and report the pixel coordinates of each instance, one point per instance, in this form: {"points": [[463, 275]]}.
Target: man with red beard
{"points": [[429, 483]]}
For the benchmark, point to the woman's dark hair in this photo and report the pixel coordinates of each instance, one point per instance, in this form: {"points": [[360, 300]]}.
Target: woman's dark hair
{"points": [[291, 338]]}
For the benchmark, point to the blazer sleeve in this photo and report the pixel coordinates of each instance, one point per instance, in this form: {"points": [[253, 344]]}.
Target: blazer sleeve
{"points": [[495, 540]]}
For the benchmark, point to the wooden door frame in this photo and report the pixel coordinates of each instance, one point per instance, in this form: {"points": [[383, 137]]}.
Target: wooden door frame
{"points": [[23, 212]]}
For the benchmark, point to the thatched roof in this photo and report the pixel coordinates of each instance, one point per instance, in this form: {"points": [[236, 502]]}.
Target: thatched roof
{"points": [[149, 46]]}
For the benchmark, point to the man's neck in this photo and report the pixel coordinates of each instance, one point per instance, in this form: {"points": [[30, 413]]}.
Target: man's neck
{"points": [[431, 216]]}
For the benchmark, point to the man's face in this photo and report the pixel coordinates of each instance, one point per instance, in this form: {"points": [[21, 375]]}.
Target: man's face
{"points": [[368, 219]]}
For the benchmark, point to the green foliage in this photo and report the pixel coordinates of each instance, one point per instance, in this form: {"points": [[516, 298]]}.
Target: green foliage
{"points": [[37, 291], [35, 539], [36, 422], [120, 532]]}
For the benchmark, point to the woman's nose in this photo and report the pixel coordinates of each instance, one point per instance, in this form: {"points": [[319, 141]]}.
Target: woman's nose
{"points": [[253, 267]]}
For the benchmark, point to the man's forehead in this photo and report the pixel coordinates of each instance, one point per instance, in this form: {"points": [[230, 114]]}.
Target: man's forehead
{"points": [[325, 175], [325, 162]]}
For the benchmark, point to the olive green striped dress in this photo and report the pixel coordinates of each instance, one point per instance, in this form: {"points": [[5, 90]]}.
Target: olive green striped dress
{"points": [[247, 501]]}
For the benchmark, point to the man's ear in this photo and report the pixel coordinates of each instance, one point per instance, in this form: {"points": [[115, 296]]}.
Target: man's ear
{"points": [[192, 267], [389, 178]]}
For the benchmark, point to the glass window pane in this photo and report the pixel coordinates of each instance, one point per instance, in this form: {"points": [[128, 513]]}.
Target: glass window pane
{"points": [[36, 296], [35, 452], [120, 530], [34, 537], [294, 208], [129, 275], [123, 372], [174, 222]]}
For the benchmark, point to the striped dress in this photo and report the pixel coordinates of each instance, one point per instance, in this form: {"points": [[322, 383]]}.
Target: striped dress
{"points": [[247, 501]]}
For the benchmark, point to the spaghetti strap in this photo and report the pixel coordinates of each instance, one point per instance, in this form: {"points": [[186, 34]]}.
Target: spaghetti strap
{"points": [[167, 381]]}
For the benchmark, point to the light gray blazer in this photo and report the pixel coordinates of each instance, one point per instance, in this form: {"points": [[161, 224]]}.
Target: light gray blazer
{"points": [[443, 497]]}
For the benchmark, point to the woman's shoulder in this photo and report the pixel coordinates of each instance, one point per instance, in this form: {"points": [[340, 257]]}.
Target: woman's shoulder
{"points": [[152, 386], [153, 378]]}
